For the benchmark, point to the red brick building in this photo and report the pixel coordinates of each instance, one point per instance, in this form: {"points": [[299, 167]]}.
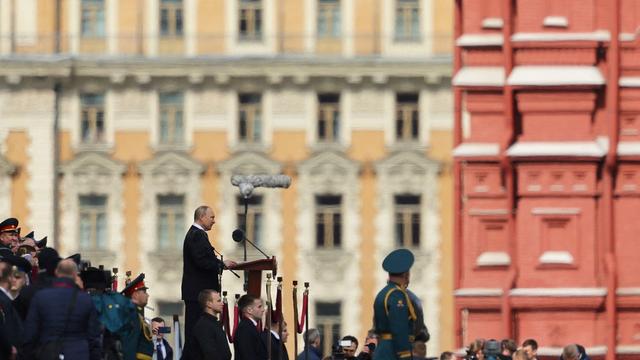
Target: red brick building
{"points": [[547, 148]]}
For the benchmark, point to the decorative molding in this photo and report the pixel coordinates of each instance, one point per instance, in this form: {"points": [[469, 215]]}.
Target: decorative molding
{"points": [[493, 76], [488, 212], [559, 292], [556, 258], [493, 258], [476, 150], [559, 75], [94, 173], [555, 211], [473, 292]]}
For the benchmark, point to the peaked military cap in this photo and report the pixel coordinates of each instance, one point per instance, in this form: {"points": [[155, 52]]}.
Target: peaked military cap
{"points": [[9, 225], [39, 243], [18, 262], [134, 285], [398, 261]]}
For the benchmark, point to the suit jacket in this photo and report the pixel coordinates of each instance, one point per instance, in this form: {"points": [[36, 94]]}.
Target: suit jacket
{"points": [[168, 349], [209, 341], [200, 265], [248, 343], [10, 326], [278, 350]]}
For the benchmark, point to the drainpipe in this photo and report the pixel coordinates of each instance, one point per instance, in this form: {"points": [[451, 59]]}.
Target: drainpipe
{"points": [[507, 167], [457, 175], [57, 92], [611, 164]]}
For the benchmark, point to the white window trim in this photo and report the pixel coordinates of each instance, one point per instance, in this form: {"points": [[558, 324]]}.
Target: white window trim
{"points": [[5, 27], [422, 48], [111, 8], [75, 117], [347, 30], [269, 42], [6, 171]]}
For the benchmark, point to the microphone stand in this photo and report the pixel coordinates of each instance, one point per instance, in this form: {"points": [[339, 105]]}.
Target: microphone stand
{"points": [[244, 243], [223, 265]]}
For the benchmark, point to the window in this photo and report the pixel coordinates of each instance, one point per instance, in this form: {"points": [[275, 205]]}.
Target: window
{"points": [[250, 21], [407, 20], [250, 119], [253, 229], [92, 118], [328, 18], [171, 118], [93, 222], [92, 21], [171, 21], [407, 117], [328, 221], [328, 117], [407, 220], [328, 323], [171, 222]]}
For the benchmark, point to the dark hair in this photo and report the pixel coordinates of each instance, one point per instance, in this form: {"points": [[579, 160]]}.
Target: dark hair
{"points": [[157, 319], [510, 345], [5, 271], [203, 297], [532, 343], [447, 355], [352, 339], [245, 301]]}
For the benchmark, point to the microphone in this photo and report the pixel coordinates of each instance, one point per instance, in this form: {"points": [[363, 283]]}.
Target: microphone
{"points": [[238, 236], [247, 183]]}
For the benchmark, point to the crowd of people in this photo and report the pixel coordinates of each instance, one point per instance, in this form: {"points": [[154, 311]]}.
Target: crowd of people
{"points": [[506, 349]]}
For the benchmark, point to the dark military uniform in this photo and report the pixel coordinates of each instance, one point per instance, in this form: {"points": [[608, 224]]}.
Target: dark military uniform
{"points": [[137, 340], [394, 313]]}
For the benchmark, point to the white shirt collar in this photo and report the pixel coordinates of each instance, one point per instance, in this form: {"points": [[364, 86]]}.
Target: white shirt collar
{"points": [[6, 292], [275, 334], [199, 227], [255, 323]]}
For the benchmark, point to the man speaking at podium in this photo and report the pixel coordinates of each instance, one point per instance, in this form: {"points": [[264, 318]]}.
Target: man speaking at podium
{"points": [[201, 268]]}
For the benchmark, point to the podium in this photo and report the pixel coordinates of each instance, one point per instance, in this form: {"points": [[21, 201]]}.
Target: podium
{"points": [[255, 269]]}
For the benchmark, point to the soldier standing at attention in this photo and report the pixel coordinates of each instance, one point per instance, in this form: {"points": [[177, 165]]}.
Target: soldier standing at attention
{"points": [[394, 313], [137, 343]]}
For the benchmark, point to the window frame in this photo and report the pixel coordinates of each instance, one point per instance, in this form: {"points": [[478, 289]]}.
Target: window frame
{"points": [[93, 212], [328, 118], [174, 28], [252, 111], [255, 214], [325, 216], [407, 114], [175, 222], [95, 8], [404, 12], [90, 113], [329, 10], [252, 13], [326, 323], [170, 109], [408, 214]]}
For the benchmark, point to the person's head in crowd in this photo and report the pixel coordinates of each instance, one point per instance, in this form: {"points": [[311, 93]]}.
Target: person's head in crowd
{"points": [[5, 274], [205, 217], [350, 346], [48, 259], [508, 347], [251, 307], [210, 302], [398, 264], [67, 269], [28, 247], [18, 279], [370, 342], [520, 355], [9, 232], [157, 322], [531, 348], [476, 349], [419, 349], [447, 355], [137, 291], [312, 338], [571, 352], [280, 328]]}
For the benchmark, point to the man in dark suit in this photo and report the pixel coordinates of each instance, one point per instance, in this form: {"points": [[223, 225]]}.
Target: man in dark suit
{"points": [[201, 268], [278, 339], [209, 340], [248, 343], [10, 322], [161, 345]]}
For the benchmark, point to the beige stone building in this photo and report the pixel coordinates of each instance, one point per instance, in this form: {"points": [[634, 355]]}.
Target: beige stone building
{"points": [[119, 117]]}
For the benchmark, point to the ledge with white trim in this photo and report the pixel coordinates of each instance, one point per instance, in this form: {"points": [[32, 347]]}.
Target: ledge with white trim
{"points": [[556, 258], [478, 40], [598, 35], [558, 292], [493, 258], [492, 76], [481, 292], [560, 75], [477, 150], [558, 298], [551, 148], [629, 148], [629, 81], [557, 351]]}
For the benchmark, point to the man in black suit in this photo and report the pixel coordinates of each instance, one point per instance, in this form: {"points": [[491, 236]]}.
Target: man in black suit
{"points": [[248, 343], [209, 340], [10, 323], [278, 339], [160, 345], [201, 268]]}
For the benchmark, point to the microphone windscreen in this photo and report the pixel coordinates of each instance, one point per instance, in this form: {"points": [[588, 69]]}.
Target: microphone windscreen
{"points": [[237, 235]]}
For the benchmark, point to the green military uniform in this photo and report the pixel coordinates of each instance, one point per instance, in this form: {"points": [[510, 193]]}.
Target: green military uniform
{"points": [[394, 313], [137, 339]]}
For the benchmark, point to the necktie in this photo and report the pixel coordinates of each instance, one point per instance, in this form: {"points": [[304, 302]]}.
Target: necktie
{"points": [[159, 350]]}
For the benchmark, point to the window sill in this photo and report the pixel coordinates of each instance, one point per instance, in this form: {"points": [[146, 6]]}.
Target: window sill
{"points": [[93, 147], [407, 40], [172, 147], [410, 145], [252, 147], [250, 39], [328, 146]]}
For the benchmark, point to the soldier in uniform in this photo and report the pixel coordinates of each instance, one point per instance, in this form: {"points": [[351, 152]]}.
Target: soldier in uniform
{"points": [[137, 342], [394, 313], [9, 235]]}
